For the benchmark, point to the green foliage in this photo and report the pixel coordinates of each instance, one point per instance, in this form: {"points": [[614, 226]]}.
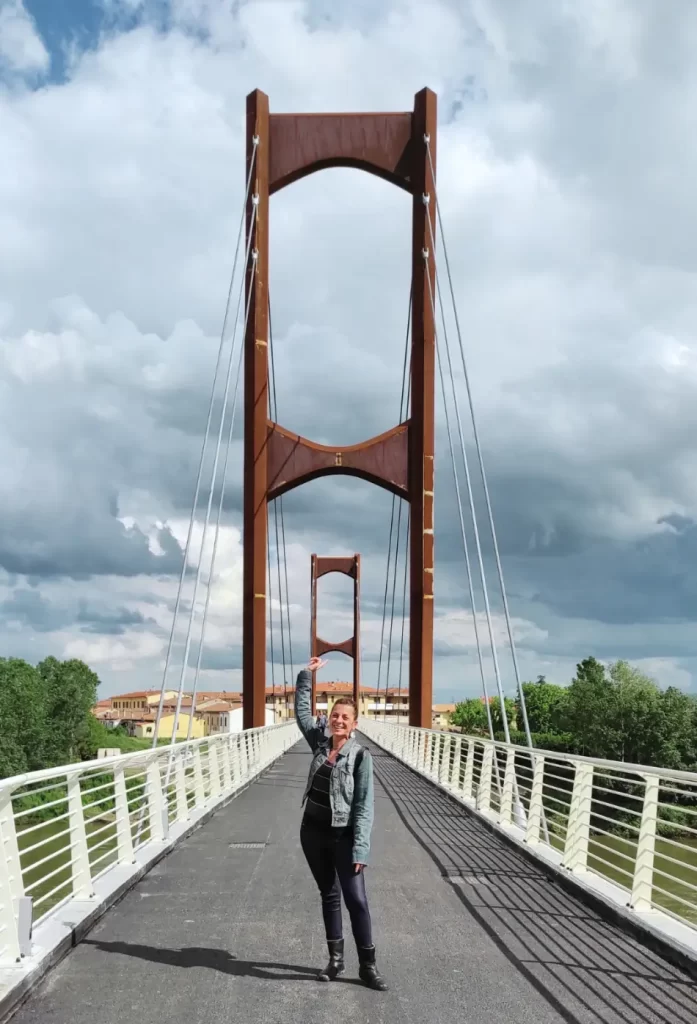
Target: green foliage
{"points": [[71, 691], [22, 715], [45, 714], [470, 716], [614, 712], [547, 707]]}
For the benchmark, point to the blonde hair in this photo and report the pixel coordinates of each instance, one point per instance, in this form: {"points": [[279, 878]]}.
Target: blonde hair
{"points": [[348, 703]]}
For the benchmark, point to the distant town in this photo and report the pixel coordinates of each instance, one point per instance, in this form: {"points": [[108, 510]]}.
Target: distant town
{"points": [[220, 711]]}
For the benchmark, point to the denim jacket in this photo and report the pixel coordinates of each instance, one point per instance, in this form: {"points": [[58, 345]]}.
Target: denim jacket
{"points": [[351, 792]]}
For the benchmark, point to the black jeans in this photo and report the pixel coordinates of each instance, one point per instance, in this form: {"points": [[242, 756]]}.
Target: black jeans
{"points": [[330, 857]]}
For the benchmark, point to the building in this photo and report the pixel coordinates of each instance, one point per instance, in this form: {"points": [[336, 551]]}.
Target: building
{"points": [[393, 704], [220, 711], [139, 700], [144, 727], [441, 715], [218, 715]]}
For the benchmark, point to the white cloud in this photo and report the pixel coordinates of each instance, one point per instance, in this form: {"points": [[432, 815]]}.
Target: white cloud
{"points": [[21, 47], [565, 169]]}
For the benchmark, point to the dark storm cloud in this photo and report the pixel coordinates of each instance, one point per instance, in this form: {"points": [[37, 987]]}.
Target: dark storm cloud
{"points": [[224, 659], [28, 607], [57, 547], [109, 621]]}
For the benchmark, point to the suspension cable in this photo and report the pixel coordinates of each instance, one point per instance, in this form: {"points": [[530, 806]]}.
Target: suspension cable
{"points": [[519, 810], [394, 588], [465, 545], [270, 604], [221, 502], [499, 567], [467, 564], [214, 473], [194, 505], [403, 410], [487, 608], [404, 609], [279, 514]]}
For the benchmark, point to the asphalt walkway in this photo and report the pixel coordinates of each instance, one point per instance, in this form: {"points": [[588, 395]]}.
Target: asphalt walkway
{"points": [[228, 928]]}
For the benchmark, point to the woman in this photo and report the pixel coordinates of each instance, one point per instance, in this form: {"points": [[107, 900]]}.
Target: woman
{"points": [[336, 826]]}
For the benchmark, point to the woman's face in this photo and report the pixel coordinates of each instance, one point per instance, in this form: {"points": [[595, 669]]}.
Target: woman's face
{"points": [[342, 720]]}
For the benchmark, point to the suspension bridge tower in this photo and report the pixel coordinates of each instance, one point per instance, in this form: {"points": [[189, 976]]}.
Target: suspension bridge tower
{"points": [[350, 566], [282, 148]]}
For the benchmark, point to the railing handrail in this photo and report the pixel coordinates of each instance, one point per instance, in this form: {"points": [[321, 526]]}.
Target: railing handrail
{"points": [[632, 837], [678, 775], [135, 757], [103, 812]]}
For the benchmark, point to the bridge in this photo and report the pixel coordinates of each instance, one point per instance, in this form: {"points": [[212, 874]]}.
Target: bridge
{"points": [[508, 883], [193, 902]]}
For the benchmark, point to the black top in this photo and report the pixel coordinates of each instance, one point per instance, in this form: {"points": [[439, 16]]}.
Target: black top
{"points": [[318, 808]]}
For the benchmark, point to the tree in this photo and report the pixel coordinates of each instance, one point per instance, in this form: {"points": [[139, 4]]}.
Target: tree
{"points": [[592, 712], [71, 692], [497, 719], [546, 704], [638, 711], [676, 741], [22, 717], [470, 716]]}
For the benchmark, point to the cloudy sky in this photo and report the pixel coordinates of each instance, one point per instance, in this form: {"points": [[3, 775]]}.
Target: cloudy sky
{"points": [[565, 164]]}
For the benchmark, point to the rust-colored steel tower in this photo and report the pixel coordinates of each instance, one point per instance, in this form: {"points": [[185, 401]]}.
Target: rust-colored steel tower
{"points": [[349, 566], [289, 147]]}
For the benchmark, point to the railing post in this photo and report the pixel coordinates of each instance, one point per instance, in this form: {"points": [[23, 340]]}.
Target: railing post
{"points": [[434, 742], [454, 776], [244, 756], [468, 784], [642, 883], [124, 835], [484, 789], [506, 809], [578, 827], [8, 887], [10, 845], [532, 831], [199, 788], [214, 769], [156, 803], [225, 758], [446, 754], [182, 802], [234, 741], [80, 858]]}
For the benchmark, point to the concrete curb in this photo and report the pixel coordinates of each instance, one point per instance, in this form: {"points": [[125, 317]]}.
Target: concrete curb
{"points": [[64, 934], [669, 947]]}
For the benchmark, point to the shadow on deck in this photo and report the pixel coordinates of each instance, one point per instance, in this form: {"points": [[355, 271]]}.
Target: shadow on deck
{"points": [[228, 928]]}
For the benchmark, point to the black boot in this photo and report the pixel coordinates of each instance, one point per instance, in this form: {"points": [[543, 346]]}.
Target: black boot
{"points": [[335, 967], [368, 971]]}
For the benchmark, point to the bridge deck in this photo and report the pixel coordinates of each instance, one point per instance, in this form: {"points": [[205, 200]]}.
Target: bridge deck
{"points": [[219, 934]]}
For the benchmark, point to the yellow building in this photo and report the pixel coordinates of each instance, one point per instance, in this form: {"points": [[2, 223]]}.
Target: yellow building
{"points": [[145, 727], [441, 715], [139, 700]]}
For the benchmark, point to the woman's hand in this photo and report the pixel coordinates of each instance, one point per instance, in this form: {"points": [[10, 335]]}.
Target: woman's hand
{"points": [[315, 664], [357, 868]]}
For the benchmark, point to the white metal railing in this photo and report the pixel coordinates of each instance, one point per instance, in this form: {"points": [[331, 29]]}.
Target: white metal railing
{"points": [[65, 827], [633, 825]]}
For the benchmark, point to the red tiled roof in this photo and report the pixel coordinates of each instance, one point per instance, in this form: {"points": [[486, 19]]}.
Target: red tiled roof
{"points": [[217, 707]]}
